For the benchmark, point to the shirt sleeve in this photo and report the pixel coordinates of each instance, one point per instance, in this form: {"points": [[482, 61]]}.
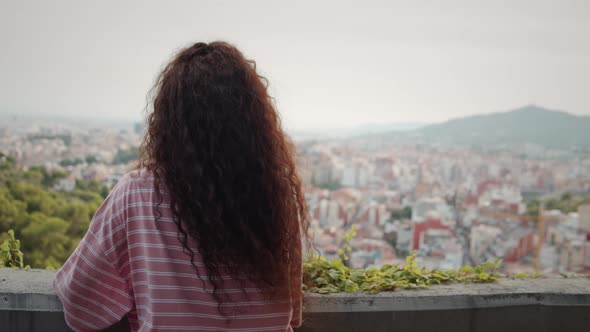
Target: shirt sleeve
{"points": [[295, 279], [93, 285]]}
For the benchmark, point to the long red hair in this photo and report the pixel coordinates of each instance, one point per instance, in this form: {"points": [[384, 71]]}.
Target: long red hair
{"points": [[215, 139]]}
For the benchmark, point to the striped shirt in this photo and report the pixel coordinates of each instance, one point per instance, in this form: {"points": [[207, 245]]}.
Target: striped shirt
{"points": [[129, 264]]}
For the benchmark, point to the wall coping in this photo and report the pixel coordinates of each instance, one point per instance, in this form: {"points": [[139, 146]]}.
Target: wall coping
{"points": [[31, 290]]}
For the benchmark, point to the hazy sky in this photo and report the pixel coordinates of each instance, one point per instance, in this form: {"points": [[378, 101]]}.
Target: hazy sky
{"points": [[330, 63]]}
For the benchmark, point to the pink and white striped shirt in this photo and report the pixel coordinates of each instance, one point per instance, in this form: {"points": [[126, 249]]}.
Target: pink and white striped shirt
{"points": [[128, 264]]}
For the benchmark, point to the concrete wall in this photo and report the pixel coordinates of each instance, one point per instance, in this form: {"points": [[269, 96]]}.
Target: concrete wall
{"points": [[27, 303]]}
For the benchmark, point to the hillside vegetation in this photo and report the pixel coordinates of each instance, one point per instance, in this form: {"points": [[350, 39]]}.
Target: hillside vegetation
{"points": [[49, 222]]}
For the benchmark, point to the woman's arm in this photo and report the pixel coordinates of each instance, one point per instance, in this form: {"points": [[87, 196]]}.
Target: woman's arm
{"points": [[93, 284]]}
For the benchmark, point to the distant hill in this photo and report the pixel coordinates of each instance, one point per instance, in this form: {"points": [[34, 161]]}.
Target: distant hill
{"points": [[529, 124]]}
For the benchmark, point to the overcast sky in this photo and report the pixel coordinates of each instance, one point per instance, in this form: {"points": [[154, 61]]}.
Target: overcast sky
{"points": [[330, 63]]}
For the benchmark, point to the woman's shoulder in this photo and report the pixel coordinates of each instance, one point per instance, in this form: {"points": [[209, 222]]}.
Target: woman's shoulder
{"points": [[136, 179], [139, 175]]}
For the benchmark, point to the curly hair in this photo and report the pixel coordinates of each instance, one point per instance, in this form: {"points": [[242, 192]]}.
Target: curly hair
{"points": [[215, 140]]}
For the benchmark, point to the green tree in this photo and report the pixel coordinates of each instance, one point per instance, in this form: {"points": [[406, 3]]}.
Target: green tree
{"points": [[12, 213], [91, 159], [566, 203], [49, 222], [71, 162], [46, 241], [126, 156], [404, 213]]}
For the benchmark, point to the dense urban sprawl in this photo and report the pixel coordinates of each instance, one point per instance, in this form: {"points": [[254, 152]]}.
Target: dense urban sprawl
{"points": [[451, 205]]}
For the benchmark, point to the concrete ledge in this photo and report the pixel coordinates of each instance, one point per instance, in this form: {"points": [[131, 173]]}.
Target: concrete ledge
{"points": [[29, 290], [506, 293], [554, 302], [32, 290]]}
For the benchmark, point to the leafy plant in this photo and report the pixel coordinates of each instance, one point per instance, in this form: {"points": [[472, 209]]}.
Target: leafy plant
{"points": [[323, 276], [343, 253], [10, 254]]}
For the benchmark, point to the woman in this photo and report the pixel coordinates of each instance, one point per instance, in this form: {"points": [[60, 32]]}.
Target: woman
{"points": [[206, 234]]}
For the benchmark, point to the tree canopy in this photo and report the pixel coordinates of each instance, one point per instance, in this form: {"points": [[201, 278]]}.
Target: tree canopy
{"points": [[566, 203], [49, 222]]}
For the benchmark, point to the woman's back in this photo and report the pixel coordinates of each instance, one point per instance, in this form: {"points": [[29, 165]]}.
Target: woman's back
{"points": [[206, 234], [129, 263]]}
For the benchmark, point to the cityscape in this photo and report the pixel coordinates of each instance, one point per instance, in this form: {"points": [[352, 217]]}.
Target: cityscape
{"points": [[450, 204], [436, 160]]}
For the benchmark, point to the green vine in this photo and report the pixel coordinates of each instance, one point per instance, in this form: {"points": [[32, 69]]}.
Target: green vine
{"points": [[10, 254], [323, 276], [343, 253]]}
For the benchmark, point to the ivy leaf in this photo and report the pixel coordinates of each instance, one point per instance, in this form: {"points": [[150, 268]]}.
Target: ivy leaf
{"points": [[350, 286]]}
